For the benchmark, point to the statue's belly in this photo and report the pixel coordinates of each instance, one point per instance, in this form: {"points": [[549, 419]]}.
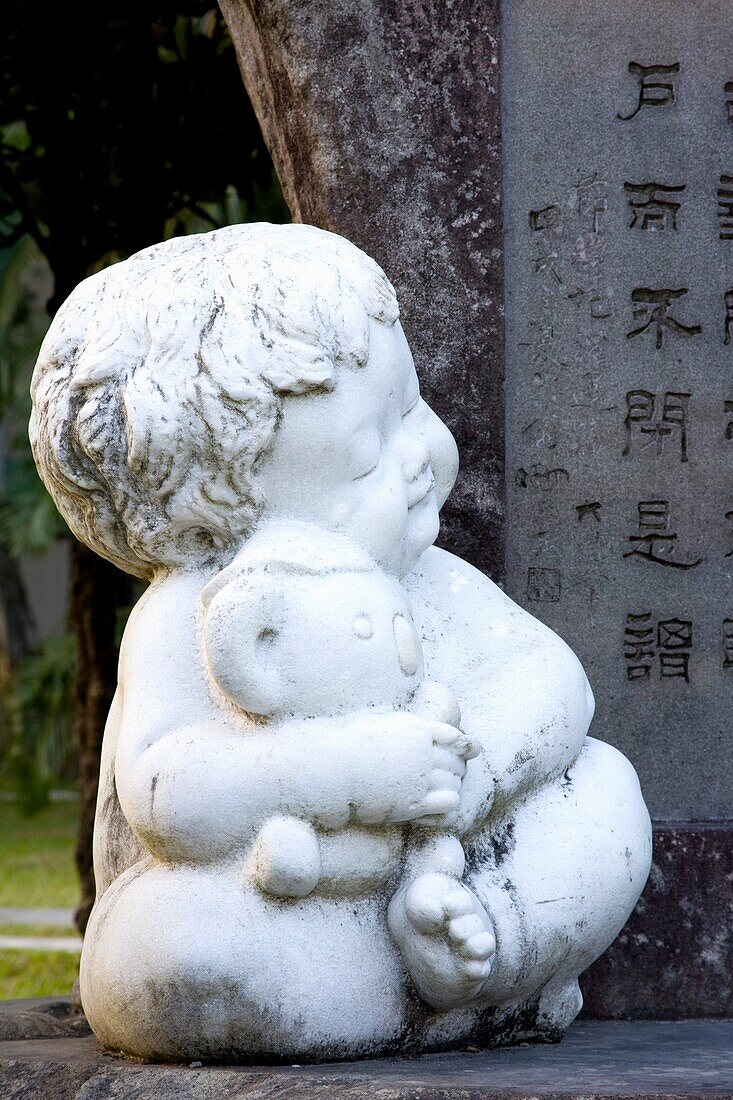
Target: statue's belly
{"points": [[183, 963]]}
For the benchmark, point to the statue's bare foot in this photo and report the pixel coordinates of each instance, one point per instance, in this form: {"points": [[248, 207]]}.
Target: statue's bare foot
{"points": [[445, 937]]}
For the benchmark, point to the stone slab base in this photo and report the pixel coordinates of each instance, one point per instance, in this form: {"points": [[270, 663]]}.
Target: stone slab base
{"points": [[643, 1060]]}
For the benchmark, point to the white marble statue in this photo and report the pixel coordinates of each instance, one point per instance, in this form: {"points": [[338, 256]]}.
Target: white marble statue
{"points": [[347, 802]]}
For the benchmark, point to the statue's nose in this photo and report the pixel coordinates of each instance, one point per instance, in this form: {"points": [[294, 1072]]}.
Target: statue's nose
{"points": [[416, 461]]}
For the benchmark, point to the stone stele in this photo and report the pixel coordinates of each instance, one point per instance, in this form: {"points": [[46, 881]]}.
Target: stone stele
{"points": [[347, 803]]}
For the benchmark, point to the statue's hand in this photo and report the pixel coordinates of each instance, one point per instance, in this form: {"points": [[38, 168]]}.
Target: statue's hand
{"points": [[418, 766], [451, 749]]}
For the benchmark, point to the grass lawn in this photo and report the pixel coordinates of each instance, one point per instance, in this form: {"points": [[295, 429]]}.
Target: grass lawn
{"points": [[37, 856], [37, 973], [37, 871], [38, 930]]}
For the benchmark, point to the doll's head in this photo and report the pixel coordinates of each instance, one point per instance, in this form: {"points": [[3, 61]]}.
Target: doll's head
{"points": [[210, 382], [318, 633]]}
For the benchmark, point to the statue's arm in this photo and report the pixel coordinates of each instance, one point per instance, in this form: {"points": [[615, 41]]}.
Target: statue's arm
{"points": [[195, 784], [522, 691]]}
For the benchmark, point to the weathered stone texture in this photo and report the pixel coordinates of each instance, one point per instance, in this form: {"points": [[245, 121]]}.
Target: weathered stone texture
{"points": [[383, 122], [643, 1061], [617, 145], [674, 959]]}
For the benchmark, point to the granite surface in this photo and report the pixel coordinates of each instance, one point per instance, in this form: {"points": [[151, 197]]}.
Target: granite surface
{"points": [[619, 348], [382, 118], [650, 1060], [674, 958]]}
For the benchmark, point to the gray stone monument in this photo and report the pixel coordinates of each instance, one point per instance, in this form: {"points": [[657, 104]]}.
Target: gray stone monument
{"points": [[590, 173], [618, 211], [619, 361]]}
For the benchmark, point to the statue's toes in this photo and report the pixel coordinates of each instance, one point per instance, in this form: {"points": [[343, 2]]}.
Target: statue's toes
{"points": [[424, 903], [478, 970], [480, 946]]}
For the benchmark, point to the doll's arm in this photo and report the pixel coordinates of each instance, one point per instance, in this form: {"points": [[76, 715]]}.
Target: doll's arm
{"points": [[196, 784], [522, 691], [202, 791]]}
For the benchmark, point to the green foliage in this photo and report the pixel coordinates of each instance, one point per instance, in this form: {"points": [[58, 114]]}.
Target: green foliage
{"points": [[41, 746], [37, 856], [37, 973], [29, 522], [12, 928], [120, 125]]}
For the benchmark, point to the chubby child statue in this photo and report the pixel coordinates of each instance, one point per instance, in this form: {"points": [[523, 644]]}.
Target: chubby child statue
{"points": [[347, 802], [302, 628]]}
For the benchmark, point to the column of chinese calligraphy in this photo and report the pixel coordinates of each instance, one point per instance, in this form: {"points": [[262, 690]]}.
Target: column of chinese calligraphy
{"points": [[662, 315]]}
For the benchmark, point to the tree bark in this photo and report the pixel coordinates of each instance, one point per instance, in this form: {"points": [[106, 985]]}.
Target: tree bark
{"points": [[96, 591], [382, 118]]}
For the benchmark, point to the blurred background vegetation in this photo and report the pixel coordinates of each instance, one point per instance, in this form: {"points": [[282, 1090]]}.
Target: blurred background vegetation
{"points": [[120, 125]]}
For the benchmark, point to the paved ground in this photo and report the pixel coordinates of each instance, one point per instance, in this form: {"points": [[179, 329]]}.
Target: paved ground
{"points": [[647, 1060], [11, 915], [35, 919], [40, 943]]}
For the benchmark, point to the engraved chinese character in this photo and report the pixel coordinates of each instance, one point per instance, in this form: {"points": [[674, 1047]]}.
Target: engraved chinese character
{"points": [[728, 316], [544, 585], [540, 477], [550, 217], [598, 306], [657, 430], [652, 206], [653, 92], [653, 542], [547, 258], [591, 510], [725, 208], [639, 651], [727, 643], [729, 517], [652, 307], [728, 405], [674, 639], [671, 643]]}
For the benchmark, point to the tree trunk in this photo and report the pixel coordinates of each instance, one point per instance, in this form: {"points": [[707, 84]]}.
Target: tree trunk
{"points": [[17, 638], [382, 118], [17, 628], [96, 590]]}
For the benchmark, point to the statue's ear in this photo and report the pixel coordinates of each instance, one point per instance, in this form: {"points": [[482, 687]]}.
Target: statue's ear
{"points": [[241, 629]]}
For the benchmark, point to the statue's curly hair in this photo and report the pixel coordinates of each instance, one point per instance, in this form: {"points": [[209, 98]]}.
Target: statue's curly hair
{"points": [[160, 383]]}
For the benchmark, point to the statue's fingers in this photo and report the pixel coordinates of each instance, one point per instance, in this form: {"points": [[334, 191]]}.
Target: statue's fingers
{"points": [[449, 761], [467, 748], [451, 738], [441, 802], [445, 781], [479, 969], [482, 946]]}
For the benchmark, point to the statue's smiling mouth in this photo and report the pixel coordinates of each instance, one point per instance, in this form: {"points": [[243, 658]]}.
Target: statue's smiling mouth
{"points": [[419, 489]]}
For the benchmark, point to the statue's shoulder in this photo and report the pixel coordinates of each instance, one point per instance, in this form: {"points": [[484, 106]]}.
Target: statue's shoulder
{"points": [[164, 621], [449, 595], [443, 580]]}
